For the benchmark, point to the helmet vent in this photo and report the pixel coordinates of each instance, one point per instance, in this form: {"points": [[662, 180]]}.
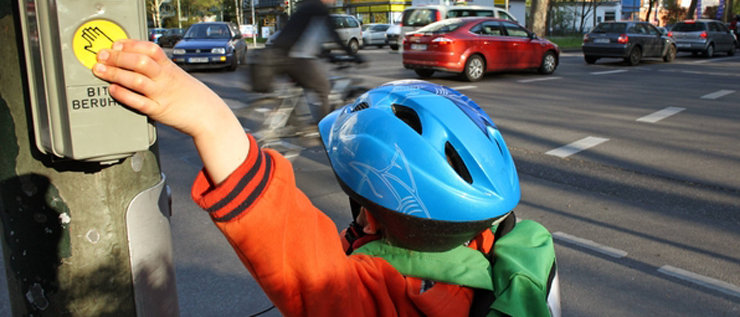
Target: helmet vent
{"points": [[408, 116], [457, 164], [360, 106]]}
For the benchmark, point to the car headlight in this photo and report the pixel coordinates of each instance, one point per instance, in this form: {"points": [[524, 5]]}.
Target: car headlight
{"points": [[218, 50], [178, 51]]}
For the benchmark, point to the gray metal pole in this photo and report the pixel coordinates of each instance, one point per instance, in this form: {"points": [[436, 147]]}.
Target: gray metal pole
{"points": [[72, 234]]}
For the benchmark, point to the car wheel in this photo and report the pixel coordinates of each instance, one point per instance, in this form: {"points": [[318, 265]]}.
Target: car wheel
{"points": [[380, 45], [670, 54], [634, 57], [394, 47], [424, 73], [549, 63], [475, 68], [243, 59], [590, 59], [354, 46], [709, 52], [731, 52]]}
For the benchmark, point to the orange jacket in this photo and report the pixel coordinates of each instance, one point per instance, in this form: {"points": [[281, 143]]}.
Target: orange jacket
{"points": [[295, 254]]}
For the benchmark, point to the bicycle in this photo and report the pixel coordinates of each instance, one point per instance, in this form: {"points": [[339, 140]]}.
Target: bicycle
{"points": [[282, 113]]}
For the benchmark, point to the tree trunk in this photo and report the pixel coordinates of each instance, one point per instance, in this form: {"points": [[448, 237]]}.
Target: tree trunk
{"points": [[538, 17], [691, 13]]}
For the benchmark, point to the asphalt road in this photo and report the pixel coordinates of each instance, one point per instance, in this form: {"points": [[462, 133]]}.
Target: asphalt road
{"points": [[635, 170]]}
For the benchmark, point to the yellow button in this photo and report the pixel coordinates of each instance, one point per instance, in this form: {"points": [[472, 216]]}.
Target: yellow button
{"points": [[93, 36]]}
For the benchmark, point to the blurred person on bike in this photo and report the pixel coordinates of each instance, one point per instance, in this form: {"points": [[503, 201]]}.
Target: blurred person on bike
{"points": [[300, 43]]}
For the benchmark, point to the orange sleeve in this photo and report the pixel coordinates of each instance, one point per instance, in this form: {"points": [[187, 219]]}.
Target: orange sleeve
{"points": [[292, 249]]}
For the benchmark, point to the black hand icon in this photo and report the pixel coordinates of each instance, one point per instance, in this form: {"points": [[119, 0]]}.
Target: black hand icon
{"points": [[96, 39]]}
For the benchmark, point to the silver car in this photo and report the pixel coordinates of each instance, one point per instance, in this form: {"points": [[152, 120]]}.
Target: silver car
{"points": [[349, 30], [374, 34], [703, 36]]}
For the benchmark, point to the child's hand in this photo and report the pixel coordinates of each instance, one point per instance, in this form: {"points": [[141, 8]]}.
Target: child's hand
{"points": [[144, 79]]}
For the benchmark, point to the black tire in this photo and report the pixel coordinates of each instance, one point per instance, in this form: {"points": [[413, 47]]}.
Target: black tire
{"points": [[634, 56], [243, 59], [670, 54], [590, 59], [424, 73], [394, 47], [709, 52], [731, 52], [549, 63], [234, 64], [475, 68], [354, 46]]}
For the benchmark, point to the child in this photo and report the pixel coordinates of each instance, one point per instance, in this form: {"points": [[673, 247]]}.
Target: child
{"points": [[426, 170]]}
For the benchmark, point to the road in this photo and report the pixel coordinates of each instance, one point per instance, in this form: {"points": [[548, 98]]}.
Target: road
{"points": [[635, 170]]}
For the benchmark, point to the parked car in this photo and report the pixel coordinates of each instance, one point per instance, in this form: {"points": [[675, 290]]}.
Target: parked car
{"points": [[374, 34], [629, 40], [476, 45], [155, 33], [416, 17], [211, 45], [170, 38], [349, 30], [703, 36], [392, 36]]}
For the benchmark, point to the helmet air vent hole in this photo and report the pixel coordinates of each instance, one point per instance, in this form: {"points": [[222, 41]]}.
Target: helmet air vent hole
{"points": [[457, 164], [360, 106], [408, 116]]}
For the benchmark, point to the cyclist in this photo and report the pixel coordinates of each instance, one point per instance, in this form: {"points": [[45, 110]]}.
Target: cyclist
{"points": [[427, 174], [300, 42]]}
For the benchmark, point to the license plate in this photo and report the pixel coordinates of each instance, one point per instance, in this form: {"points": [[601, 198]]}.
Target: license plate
{"points": [[683, 45], [418, 47], [601, 41], [198, 60]]}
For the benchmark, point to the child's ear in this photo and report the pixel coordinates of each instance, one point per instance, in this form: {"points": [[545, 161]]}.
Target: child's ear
{"points": [[372, 226]]}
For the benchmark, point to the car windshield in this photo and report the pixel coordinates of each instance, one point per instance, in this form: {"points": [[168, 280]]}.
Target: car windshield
{"points": [[610, 28], [419, 17], [688, 27], [380, 27], [441, 27], [208, 31]]}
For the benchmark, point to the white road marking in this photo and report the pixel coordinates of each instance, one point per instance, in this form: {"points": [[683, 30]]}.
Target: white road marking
{"points": [[717, 94], [538, 79], [464, 87], [609, 72], [702, 280], [591, 245], [577, 146], [660, 115], [702, 61]]}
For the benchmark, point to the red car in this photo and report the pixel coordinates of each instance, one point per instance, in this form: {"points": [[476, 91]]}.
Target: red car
{"points": [[476, 45]]}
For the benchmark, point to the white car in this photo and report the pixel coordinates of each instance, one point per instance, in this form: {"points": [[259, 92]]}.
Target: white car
{"points": [[393, 36]]}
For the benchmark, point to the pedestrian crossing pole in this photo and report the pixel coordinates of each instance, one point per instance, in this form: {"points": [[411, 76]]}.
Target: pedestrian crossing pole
{"points": [[79, 238]]}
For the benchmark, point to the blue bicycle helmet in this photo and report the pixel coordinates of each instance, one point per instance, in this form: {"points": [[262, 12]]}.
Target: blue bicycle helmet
{"points": [[425, 160]]}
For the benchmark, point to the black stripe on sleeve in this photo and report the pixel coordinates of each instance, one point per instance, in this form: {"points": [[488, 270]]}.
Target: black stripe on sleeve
{"points": [[252, 196], [239, 186]]}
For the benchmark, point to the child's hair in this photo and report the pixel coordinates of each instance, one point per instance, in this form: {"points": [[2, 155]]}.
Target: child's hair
{"points": [[425, 160]]}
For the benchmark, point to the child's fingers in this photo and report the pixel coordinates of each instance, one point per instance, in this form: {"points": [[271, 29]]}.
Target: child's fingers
{"points": [[131, 80], [142, 64], [141, 47], [133, 100]]}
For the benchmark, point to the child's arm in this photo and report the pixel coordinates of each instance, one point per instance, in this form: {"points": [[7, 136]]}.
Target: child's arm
{"points": [[144, 79]]}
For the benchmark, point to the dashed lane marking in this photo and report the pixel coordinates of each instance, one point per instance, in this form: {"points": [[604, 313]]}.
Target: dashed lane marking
{"points": [[661, 114], [702, 280], [464, 87], [717, 94], [607, 72], [538, 79], [588, 244], [577, 146], [703, 61]]}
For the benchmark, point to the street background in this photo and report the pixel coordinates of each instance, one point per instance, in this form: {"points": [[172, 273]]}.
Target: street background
{"points": [[646, 221]]}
